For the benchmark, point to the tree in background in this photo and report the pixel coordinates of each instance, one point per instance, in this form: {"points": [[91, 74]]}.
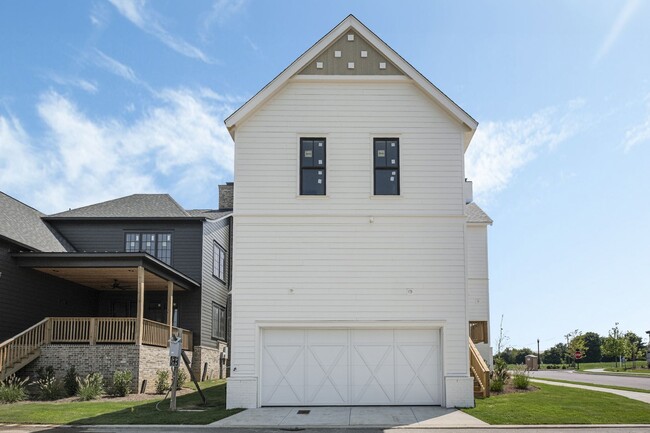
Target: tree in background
{"points": [[593, 342], [554, 354], [578, 344], [633, 347], [520, 355], [614, 344]]}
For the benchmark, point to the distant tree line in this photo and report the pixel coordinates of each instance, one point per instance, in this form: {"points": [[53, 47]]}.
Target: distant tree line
{"points": [[593, 347]]}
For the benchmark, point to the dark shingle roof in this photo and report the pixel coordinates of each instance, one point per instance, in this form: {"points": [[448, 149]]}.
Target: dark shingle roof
{"points": [[211, 214], [132, 206], [23, 224], [476, 215]]}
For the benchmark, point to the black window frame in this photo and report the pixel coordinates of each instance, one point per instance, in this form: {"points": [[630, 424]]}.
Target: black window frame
{"points": [[387, 166], [156, 235], [217, 260], [305, 166], [219, 326]]}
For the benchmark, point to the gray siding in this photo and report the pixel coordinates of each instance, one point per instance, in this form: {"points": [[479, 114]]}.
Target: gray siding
{"points": [[28, 296], [101, 236], [213, 289]]}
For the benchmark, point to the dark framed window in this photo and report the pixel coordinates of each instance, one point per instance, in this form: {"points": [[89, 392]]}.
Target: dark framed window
{"points": [[218, 322], [386, 166], [219, 261], [312, 166], [158, 245]]}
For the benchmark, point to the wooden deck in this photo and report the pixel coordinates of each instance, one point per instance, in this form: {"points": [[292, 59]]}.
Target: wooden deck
{"points": [[23, 348]]}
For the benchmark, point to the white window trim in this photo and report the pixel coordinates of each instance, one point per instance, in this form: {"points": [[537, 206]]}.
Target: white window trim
{"points": [[371, 152], [327, 163]]}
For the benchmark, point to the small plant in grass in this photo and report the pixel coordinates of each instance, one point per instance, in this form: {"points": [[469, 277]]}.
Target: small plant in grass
{"points": [[90, 387], [70, 383], [498, 375], [162, 381], [122, 383], [496, 386], [12, 389], [520, 379]]}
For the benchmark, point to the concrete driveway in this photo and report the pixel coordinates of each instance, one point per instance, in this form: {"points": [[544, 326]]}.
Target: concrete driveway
{"points": [[597, 379], [358, 416]]}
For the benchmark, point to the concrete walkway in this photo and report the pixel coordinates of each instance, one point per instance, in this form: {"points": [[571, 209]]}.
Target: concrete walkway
{"points": [[361, 416], [640, 396]]}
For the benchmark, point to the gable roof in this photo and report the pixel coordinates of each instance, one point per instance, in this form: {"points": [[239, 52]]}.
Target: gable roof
{"points": [[476, 215], [23, 225], [351, 22], [209, 214], [132, 206]]}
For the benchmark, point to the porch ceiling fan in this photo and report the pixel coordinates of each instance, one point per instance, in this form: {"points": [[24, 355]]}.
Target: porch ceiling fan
{"points": [[118, 286]]}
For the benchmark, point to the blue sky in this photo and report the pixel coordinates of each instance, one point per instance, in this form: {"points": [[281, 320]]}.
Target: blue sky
{"points": [[101, 99]]}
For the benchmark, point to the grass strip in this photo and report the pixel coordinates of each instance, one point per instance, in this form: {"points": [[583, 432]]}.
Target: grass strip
{"points": [[560, 405], [597, 385], [123, 412]]}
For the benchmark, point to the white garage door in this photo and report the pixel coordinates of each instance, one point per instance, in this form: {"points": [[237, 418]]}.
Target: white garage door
{"points": [[311, 367]]}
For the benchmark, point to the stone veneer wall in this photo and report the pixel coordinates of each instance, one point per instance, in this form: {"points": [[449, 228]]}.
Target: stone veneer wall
{"points": [[216, 369], [142, 361]]}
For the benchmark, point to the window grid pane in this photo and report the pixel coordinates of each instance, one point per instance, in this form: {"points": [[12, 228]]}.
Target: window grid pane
{"points": [[312, 166], [164, 247]]}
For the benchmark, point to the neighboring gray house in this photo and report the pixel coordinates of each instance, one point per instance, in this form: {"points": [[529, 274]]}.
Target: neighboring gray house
{"points": [[128, 271]]}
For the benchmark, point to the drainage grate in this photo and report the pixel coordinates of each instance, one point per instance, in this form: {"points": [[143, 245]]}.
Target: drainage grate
{"points": [[303, 412]]}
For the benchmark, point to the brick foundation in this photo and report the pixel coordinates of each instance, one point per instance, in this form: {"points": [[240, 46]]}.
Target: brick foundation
{"points": [[216, 369], [142, 361]]}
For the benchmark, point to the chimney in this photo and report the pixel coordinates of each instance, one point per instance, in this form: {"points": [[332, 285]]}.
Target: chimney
{"points": [[226, 196]]}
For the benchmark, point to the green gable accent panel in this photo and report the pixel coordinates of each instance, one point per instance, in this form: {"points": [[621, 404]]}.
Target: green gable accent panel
{"points": [[357, 57]]}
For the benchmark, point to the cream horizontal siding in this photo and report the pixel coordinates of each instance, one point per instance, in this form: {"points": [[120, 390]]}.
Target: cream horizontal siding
{"points": [[349, 115], [349, 269], [477, 273]]}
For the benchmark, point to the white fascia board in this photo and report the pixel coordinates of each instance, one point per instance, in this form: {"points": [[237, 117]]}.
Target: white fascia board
{"points": [[351, 22]]}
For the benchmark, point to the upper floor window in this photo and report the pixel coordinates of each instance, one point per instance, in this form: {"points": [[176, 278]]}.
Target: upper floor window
{"points": [[312, 166], [158, 245], [386, 166], [219, 262]]}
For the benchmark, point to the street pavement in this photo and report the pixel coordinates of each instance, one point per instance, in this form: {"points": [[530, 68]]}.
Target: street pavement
{"points": [[204, 429], [598, 379]]}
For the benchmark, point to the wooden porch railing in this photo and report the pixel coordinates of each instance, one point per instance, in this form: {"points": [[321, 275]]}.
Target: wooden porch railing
{"points": [[16, 352], [23, 346], [478, 332], [479, 370]]}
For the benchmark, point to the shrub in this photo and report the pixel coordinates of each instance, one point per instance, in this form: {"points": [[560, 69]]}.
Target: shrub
{"points": [[162, 381], [520, 379], [500, 371], [182, 378], [12, 390], [45, 373], [90, 387], [496, 386], [122, 382], [70, 384], [50, 388]]}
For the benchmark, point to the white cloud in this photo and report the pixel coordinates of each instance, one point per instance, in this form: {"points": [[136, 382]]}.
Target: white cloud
{"points": [[637, 135], [500, 149], [628, 10], [178, 145], [85, 85], [137, 12], [221, 11], [113, 66]]}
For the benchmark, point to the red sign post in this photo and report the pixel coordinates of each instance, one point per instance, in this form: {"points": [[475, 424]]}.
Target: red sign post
{"points": [[578, 356]]}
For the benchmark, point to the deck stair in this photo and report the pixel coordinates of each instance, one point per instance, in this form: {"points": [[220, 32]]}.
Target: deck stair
{"points": [[479, 371], [20, 350]]}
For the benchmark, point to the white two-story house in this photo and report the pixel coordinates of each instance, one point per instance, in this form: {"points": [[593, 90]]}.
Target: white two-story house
{"points": [[358, 262]]}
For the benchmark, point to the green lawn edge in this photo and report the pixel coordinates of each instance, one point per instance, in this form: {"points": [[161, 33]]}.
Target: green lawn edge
{"points": [[597, 385], [560, 405], [123, 412]]}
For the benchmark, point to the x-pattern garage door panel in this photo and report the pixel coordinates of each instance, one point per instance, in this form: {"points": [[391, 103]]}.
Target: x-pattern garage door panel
{"points": [[284, 368], [350, 367]]}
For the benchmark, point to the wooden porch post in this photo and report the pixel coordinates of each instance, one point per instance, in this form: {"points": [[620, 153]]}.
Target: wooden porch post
{"points": [[140, 307], [170, 307]]}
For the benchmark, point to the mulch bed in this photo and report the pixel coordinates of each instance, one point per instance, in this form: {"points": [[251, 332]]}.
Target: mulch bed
{"points": [[509, 388]]}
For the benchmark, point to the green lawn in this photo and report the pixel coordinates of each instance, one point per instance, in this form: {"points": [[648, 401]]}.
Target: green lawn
{"points": [[134, 412], [622, 388], [560, 405], [611, 366]]}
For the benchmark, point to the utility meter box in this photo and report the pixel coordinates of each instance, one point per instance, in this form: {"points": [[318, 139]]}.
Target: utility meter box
{"points": [[175, 348]]}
